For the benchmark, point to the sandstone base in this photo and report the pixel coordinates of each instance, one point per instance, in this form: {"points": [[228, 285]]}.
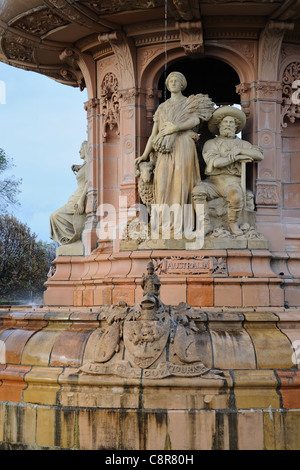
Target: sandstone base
{"points": [[206, 278], [45, 403]]}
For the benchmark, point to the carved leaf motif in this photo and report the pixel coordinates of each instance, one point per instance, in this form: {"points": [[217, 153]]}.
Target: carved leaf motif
{"points": [[103, 7], [290, 108], [110, 103], [39, 22], [18, 48]]}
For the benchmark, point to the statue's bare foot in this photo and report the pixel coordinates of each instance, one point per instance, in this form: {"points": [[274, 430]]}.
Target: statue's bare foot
{"points": [[235, 229]]}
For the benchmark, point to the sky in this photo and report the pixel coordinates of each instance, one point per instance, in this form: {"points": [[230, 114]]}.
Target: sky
{"points": [[43, 124]]}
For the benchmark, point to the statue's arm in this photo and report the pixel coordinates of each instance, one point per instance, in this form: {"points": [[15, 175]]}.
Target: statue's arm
{"points": [[213, 158], [255, 153], [170, 128], [149, 145], [76, 168]]}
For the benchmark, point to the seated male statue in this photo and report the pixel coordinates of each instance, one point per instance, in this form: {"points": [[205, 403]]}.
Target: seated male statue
{"points": [[223, 156]]}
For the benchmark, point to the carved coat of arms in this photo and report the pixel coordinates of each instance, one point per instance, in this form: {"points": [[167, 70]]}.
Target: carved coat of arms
{"points": [[145, 331]]}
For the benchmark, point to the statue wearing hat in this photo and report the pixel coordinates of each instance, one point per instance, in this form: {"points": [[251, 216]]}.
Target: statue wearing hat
{"points": [[225, 156]]}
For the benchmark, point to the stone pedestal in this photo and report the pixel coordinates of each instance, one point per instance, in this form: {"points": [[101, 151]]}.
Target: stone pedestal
{"points": [[47, 402], [207, 278]]}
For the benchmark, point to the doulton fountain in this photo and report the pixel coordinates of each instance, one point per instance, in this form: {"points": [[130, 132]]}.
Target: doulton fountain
{"points": [[170, 317]]}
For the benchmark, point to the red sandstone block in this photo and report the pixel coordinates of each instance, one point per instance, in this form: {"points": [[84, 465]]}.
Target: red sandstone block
{"points": [[69, 347], [255, 295], [173, 291], [77, 298], [88, 297], [295, 167], [276, 295], [12, 382], [15, 344], [228, 294], [124, 293], [103, 295], [291, 195], [200, 293], [290, 388], [239, 263]]}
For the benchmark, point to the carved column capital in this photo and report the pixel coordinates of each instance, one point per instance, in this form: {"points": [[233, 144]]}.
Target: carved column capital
{"points": [[92, 107], [268, 90], [244, 90]]}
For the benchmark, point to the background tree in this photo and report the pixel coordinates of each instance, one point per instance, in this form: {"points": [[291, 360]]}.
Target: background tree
{"points": [[9, 186], [24, 261]]}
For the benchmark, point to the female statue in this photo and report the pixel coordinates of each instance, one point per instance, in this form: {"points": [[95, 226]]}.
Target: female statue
{"points": [[67, 223], [173, 142]]}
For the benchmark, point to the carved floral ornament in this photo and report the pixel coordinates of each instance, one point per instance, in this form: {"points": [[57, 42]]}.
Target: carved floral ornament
{"points": [[290, 94], [39, 22], [110, 104]]}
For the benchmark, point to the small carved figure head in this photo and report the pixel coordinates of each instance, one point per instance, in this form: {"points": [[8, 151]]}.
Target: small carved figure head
{"points": [[84, 150], [150, 267], [179, 76]]}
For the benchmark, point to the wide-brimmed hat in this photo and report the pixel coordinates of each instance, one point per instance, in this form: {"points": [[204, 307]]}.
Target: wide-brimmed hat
{"points": [[220, 113]]}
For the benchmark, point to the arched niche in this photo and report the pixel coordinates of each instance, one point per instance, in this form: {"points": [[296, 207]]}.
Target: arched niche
{"points": [[205, 75], [231, 55], [217, 74]]}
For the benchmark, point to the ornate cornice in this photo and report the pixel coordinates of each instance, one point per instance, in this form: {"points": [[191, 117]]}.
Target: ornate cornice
{"points": [[36, 33]]}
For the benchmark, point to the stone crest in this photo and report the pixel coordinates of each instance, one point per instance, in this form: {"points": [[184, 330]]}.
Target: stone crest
{"points": [[149, 339]]}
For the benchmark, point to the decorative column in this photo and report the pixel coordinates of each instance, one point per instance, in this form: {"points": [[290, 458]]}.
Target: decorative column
{"points": [[89, 236], [120, 113], [267, 96], [262, 100]]}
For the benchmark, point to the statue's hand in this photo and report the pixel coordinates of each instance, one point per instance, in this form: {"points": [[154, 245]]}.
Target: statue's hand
{"points": [[169, 128], [244, 158], [138, 160], [75, 168]]}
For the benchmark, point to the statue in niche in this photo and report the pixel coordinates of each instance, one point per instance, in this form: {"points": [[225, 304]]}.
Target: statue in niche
{"points": [[226, 156], [149, 339], [171, 149], [67, 222]]}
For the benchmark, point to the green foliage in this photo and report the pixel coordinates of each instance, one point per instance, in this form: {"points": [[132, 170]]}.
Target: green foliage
{"points": [[24, 261], [9, 186]]}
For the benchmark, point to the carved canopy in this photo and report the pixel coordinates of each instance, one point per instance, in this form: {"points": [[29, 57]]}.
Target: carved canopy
{"points": [[49, 36]]}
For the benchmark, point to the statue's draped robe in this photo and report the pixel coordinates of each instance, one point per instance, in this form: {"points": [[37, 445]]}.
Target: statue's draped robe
{"points": [[177, 168], [65, 225]]}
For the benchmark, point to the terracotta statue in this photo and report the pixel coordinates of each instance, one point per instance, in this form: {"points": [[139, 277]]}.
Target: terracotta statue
{"points": [[67, 223], [172, 147], [150, 281], [225, 157]]}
